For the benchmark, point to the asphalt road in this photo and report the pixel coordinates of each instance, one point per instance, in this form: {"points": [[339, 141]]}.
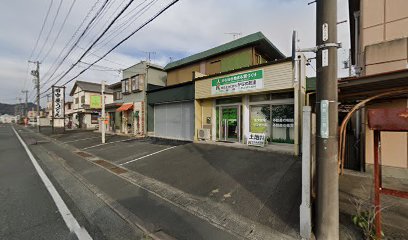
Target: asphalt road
{"points": [[27, 210]]}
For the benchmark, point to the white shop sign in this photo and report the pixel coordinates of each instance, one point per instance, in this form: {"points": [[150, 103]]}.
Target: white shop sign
{"points": [[256, 139]]}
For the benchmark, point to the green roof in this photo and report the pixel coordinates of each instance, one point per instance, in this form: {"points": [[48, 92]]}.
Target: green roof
{"points": [[256, 39]]}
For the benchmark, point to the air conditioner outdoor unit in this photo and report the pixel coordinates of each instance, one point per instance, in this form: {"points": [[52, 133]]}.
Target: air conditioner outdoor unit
{"points": [[204, 134]]}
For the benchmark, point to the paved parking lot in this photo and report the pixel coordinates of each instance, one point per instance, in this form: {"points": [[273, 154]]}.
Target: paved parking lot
{"points": [[262, 186]]}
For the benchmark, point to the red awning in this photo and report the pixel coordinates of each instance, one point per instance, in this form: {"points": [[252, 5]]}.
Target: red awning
{"points": [[125, 107]]}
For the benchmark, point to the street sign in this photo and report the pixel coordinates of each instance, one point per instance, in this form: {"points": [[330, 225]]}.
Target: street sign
{"points": [[324, 118]]}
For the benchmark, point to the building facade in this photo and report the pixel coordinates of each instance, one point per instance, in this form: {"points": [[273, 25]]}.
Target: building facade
{"points": [[261, 99], [137, 79], [171, 109], [379, 37], [86, 108]]}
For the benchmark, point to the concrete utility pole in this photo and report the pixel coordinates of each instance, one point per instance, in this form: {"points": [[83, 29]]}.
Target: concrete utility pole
{"points": [[327, 215], [26, 102], [103, 112], [36, 74]]}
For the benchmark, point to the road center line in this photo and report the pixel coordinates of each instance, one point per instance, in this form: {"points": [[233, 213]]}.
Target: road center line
{"points": [[148, 155], [77, 140], [66, 214], [102, 144]]}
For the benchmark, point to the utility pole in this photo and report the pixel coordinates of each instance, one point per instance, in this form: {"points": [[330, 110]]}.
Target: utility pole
{"points": [[36, 74], [103, 112], [327, 215], [26, 102], [19, 108]]}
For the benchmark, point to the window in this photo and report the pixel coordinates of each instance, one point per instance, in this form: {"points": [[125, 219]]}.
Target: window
{"points": [[76, 100], [83, 99], [258, 59], [284, 95], [259, 97], [125, 86], [69, 106], [117, 95], [135, 83], [94, 118]]}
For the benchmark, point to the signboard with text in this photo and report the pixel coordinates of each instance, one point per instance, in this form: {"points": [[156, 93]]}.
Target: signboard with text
{"points": [[58, 101], [95, 101], [256, 139], [238, 83]]}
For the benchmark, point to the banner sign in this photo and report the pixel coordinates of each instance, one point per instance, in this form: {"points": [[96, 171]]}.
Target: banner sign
{"points": [[95, 101], [58, 94], [238, 83], [256, 139]]}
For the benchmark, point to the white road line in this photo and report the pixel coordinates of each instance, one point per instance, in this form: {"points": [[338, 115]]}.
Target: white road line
{"points": [[102, 144], [69, 219], [77, 140], [148, 155]]}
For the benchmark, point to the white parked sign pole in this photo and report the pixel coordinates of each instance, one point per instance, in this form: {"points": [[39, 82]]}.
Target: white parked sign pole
{"points": [[103, 112]]}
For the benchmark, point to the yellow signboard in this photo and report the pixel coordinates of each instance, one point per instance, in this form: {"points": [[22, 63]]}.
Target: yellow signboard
{"points": [[95, 101]]}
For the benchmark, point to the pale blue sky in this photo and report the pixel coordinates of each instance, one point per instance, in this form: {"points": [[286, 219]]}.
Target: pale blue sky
{"points": [[188, 27]]}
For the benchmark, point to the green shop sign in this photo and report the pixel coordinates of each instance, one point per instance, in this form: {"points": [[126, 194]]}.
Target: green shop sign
{"points": [[238, 83]]}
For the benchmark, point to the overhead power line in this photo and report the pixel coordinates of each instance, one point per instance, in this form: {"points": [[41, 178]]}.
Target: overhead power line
{"points": [[90, 47], [50, 31], [42, 29], [60, 30], [76, 42], [123, 40]]}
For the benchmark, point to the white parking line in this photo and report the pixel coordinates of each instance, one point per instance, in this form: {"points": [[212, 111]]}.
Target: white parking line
{"points": [[77, 140], [148, 155], [102, 144], [69, 219]]}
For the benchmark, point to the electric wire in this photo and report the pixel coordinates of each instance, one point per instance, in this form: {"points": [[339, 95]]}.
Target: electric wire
{"points": [[50, 31], [41, 31], [124, 39], [76, 42], [60, 30], [90, 47]]}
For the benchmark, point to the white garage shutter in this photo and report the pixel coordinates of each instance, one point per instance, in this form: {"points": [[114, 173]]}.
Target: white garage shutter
{"points": [[174, 120]]}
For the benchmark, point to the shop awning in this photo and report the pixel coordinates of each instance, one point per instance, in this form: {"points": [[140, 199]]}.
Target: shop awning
{"points": [[125, 107]]}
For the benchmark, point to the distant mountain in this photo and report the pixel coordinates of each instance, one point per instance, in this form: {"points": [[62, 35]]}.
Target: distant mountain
{"points": [[10, 108]]}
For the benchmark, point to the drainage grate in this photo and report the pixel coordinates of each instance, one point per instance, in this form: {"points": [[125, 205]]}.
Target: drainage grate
{"points": [[110, 166], [84, 154]]}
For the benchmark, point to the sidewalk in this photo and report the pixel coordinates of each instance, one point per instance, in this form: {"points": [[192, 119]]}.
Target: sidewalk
{"points": [[356, 185]]}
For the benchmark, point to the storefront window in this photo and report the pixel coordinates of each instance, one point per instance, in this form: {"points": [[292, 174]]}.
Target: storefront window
{"points": [[283, 123], [261, 120], [260, 98]]}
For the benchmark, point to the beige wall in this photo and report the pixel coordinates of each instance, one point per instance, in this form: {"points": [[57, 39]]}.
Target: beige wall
{"points": [[394, 145], [384, 32], [276, 77], [208, 67], [183, 74]]}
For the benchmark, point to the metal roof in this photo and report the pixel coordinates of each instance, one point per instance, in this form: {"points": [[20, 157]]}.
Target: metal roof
{"points": [[89, 87], [255, 39]]}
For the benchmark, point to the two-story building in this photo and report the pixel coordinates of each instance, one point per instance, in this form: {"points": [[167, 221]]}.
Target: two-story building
{"points": [[227, 91], [137, 79], [86, 108], [379, 40]]}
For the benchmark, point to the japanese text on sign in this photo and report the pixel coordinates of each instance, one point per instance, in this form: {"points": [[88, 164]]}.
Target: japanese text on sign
{"points": [[256, 139], [238, 83], [58, 102]]}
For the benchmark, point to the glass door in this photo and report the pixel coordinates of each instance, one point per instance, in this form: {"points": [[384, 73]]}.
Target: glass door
{"points": [[229, 126]]}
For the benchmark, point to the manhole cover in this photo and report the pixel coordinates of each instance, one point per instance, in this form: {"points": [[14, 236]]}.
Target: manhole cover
{"points": [[84, 154], [110, 166]]}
